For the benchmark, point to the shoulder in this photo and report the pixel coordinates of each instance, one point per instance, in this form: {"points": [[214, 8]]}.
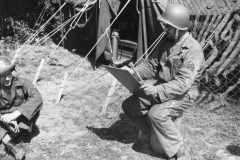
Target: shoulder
{"points": [[193, 44], [19, 81]]}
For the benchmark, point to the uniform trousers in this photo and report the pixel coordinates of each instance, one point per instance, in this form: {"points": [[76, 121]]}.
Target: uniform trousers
{"points": [[23, 123], [159, 120]]}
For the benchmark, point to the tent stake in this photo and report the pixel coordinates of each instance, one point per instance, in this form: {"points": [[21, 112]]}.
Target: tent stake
{"points": [[16, 54], [38, 72], [110, 93], [61, 88]]}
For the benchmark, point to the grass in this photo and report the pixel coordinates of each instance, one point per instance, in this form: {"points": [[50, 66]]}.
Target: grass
{"points": [[74, 129]]}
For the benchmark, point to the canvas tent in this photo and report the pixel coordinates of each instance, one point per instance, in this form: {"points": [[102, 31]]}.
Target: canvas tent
{"points": [[98, 18], [131, 21]]}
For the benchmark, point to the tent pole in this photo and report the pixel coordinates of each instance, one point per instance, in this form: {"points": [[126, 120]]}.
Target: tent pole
{"points": [[139, 52], [144, 26]]}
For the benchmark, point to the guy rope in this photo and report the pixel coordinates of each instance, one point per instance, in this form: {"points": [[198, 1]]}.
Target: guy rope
{"points": [[106, 31], [33, 36]]}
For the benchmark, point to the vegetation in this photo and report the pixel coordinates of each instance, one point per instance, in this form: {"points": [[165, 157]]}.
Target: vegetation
{"points": [[18, 19]]}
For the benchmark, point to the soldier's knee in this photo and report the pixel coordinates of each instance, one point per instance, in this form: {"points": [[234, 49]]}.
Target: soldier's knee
{"points": [[157, 115], [150, 115], [130, 104]]}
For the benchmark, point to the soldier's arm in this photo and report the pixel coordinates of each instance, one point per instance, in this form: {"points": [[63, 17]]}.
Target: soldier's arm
{"points": [[184, 78], [34, 101]]}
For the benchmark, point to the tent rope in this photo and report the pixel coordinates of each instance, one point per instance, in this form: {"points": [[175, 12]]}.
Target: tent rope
{"points": [[41, 19], [70, 28], [40, 16], [156, 41], [41, 28], [153, 48], [98, 40], [80, 13], [46, 37], [31, 38], [49, 35]]}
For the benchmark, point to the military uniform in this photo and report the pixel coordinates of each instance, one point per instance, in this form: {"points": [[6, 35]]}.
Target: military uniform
{"points": [[177, 69], [26, 99]]}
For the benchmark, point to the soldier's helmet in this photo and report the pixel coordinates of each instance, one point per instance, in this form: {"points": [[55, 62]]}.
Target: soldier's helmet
{"points": [[177, 16], [5, 65]]}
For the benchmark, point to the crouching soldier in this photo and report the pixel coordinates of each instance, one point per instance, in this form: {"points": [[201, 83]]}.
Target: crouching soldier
{"points": [[177, 67], [20, 104]]}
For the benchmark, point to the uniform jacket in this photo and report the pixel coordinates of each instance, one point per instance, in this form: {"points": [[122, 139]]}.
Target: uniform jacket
{"points": [[176, 67], [24, 97]]}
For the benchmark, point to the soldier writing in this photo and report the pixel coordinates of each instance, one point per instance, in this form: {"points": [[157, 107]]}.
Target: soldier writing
{"points": [[177, 68]]}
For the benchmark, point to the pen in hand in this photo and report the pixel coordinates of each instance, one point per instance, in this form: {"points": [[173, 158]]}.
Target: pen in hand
{"points": [[135, 72]]}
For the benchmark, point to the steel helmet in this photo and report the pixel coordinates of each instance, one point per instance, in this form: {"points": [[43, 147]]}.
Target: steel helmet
{"points": [[176, 15], [5, 65]]}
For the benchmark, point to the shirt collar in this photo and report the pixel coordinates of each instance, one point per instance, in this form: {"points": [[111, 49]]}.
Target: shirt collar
{"points": [[185, 39]]}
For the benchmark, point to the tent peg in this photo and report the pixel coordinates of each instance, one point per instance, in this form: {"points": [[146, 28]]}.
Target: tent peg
{"points": [[61, 88], [38, 72]]}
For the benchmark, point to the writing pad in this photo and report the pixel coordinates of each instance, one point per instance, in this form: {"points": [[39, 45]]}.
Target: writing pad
{"points": [[129, 81]]}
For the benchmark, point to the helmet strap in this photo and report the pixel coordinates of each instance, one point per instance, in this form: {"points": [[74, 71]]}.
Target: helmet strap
{"points": [[176, 35], [165, 29]]}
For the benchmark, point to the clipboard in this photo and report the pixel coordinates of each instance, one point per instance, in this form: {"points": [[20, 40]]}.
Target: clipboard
{"points": [[130, 82]]}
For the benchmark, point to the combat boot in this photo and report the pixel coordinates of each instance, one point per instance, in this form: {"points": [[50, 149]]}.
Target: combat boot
{"points": [[18, 152], [183, 153], [3, 151]]}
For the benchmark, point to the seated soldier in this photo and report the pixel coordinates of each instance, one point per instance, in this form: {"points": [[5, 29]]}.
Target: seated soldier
{"points": [[20, 104]]}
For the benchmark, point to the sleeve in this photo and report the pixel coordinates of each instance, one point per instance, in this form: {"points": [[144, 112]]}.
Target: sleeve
{"points": [[34, 100], [184, 78], [149, 67]]}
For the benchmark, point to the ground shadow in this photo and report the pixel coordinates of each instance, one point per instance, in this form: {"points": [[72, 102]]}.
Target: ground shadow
{"points": [[26, 137], [234, 149], [123, 131]]}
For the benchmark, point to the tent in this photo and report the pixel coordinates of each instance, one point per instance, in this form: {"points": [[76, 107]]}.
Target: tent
{"points": [[137, 23], [130, 24]]}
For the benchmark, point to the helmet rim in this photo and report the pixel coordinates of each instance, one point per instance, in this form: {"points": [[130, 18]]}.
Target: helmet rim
{"points": [[177, 16], [11, 68], [5, 65]]}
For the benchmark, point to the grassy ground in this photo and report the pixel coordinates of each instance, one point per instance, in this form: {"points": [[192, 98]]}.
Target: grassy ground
{"points": [[74, 129]]}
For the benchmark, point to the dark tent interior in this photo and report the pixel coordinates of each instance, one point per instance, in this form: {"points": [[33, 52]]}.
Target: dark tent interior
{"points": [[129, 25]]}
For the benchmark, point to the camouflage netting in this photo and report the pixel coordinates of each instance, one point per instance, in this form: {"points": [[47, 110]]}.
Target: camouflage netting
{"points": [[215, 24]]}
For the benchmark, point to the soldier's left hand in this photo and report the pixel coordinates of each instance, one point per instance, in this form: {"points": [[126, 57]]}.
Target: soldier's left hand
{"points": [[149, 89], [14, 127], [7, 118]]}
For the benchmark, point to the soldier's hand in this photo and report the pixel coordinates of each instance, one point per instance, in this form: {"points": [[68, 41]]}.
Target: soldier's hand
{"points": [[7, 118], [149, 89], [128, 69], [14, 127]]}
